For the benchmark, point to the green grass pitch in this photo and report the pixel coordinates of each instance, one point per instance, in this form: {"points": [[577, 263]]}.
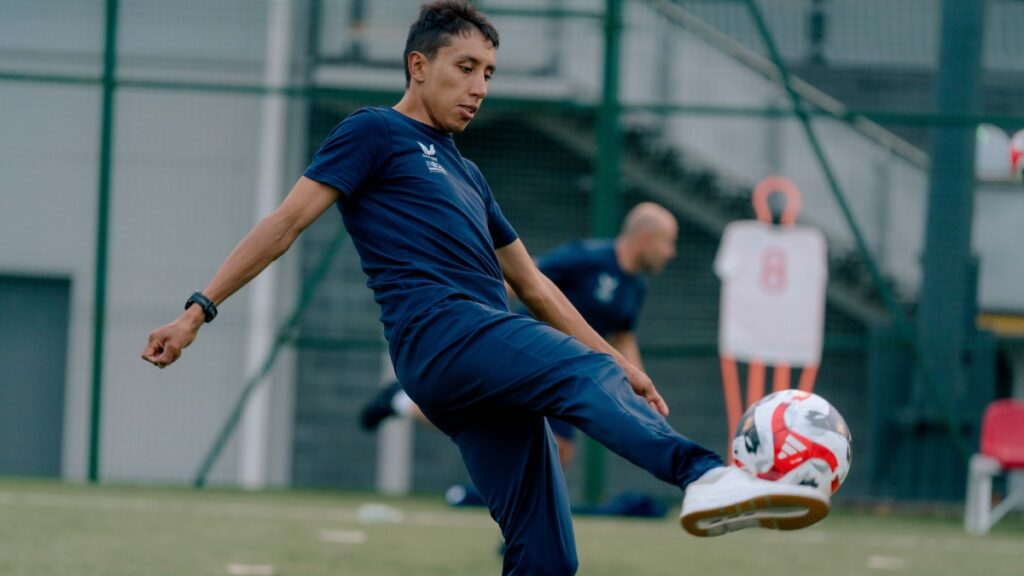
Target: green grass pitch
{"points": [[51, 529]]}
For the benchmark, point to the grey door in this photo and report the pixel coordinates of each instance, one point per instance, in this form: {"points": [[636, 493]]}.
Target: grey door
{"points": [[33, 356]]}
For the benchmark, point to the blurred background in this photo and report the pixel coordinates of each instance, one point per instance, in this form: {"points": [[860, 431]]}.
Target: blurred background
{"points": [[141, 139]]}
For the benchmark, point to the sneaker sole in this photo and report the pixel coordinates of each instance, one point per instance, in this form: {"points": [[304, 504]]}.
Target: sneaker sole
{"points": [[776, 511]]}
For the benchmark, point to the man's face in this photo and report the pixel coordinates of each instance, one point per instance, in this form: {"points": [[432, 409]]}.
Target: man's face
{"points": [[455, 81], [659, 248]]}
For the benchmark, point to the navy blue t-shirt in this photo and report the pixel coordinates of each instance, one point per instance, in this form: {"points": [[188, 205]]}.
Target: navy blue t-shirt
{"points": [[588, 272], [422, 217]]}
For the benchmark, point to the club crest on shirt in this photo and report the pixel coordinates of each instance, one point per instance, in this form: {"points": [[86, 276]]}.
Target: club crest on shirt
{"points": [[605, 290], [430, 157]]}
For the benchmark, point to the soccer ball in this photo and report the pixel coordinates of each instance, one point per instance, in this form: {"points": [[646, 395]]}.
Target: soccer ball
{"points": [[795, 437]]}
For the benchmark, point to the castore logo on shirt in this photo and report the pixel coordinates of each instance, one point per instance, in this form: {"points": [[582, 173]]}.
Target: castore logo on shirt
{"points": [[430, 156]]}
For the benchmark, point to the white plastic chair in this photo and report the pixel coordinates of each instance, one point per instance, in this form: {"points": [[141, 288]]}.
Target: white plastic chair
{"points": [[1002, 451]]}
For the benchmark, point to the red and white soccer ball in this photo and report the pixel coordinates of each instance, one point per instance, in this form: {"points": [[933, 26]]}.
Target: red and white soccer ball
{"points": [[794, 437]]}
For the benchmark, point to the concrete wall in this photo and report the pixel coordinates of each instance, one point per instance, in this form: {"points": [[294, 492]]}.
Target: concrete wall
{"points": [[183, 186]]}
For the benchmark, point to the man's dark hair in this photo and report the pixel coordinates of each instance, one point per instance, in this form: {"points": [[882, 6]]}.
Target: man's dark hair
{"points": [[438, 22]]}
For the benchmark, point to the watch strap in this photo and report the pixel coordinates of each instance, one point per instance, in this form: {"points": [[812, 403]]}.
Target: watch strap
{"points": [[208, 307]]}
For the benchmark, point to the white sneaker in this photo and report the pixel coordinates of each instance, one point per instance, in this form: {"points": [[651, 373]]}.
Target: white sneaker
{"points": [[727, 499]]}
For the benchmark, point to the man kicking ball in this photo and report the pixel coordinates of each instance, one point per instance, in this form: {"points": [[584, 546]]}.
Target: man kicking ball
{"points": [[436, 249]]}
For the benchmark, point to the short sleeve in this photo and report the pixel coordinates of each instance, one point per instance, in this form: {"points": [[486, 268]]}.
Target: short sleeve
{"points": [[501, 230], [352, 152]]}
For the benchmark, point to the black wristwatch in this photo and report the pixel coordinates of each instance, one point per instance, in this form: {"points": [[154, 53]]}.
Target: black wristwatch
{"points": [[209, 308]]}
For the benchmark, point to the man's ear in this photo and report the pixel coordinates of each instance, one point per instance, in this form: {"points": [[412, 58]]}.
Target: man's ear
{"points": [[417, 64]]}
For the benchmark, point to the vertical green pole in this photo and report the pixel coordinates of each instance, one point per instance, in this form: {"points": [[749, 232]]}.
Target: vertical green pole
{"points": [[605, 204], [102, 236], [948, 299], [946, 308]]}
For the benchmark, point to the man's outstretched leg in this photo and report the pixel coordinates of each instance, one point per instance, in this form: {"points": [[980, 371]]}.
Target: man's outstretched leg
{"points": [[717, 499], [496, 362], [509, 362]]}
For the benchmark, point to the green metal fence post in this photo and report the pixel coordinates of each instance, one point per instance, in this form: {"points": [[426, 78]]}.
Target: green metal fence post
{"points": [[948, 300], [102, 237], [605, 204], [947, 255], [606, 201]]}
